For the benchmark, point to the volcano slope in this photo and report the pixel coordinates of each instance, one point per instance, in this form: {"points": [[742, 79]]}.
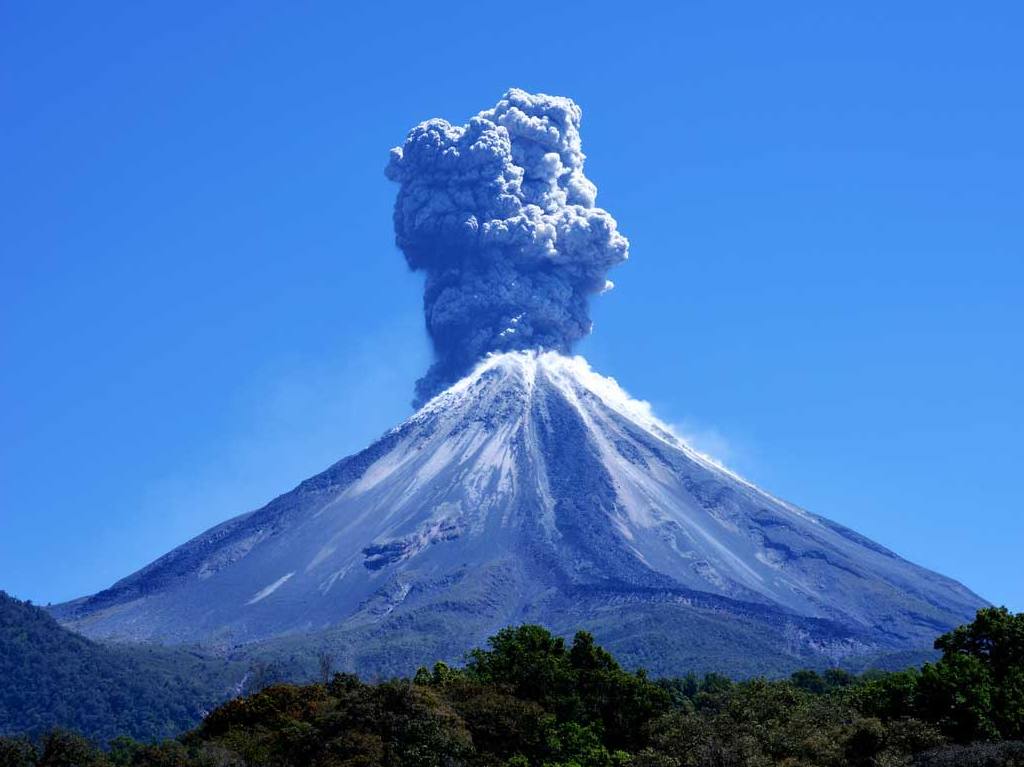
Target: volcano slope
{"points": [[533, 490]]}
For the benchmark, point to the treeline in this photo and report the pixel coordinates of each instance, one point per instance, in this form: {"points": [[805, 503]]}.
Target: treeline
{"points": [[49, 675], [531, 699]]}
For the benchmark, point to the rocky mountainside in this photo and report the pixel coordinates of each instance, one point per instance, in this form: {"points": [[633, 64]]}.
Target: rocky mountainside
{"points": [[534, 490]]}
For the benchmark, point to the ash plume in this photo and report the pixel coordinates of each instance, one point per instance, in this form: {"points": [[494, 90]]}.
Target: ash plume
{"points": [[500, 217]]}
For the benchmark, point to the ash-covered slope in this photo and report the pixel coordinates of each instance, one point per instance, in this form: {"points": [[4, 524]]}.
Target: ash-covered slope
{"points": [[534, 490]]}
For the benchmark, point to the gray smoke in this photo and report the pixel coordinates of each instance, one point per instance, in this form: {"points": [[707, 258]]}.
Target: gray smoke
{"points": [[501, 218]]}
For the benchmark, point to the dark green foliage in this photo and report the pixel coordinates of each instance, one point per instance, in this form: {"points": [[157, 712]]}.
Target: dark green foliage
{"points": [[1007, 754], [52, 677], [532, 700], [67, 749], [583, 684], [888, 696], [976, 690], [812, 681], [17, 752]]}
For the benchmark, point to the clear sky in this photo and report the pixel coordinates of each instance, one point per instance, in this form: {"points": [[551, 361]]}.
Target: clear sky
{"points": [[202, 302]]}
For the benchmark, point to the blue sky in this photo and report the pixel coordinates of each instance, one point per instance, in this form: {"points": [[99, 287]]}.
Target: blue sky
{"points": [[203, 304]]}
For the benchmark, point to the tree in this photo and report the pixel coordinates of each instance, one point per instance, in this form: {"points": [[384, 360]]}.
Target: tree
{"points": [[888, 696], [325, 660], [976, 690], [66, 749], [528, 659], [17, 752]]}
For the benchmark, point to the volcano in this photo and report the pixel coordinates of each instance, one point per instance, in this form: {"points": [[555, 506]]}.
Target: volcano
{"points": [[534, 490]]}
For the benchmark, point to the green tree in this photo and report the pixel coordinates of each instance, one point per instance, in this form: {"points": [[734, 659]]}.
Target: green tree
{"points": [[67, 749], [888, 696], [17, 752], [976, 690], [529, 660]]}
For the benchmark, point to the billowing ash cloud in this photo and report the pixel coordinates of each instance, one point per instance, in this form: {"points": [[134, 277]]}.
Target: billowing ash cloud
{"points": [[501, 218]]}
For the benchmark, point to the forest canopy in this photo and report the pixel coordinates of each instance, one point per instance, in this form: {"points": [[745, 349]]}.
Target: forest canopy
{"points": [[531, 698]]}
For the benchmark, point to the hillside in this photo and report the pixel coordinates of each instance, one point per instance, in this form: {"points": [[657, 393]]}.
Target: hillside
{"points": [[53, 677]]}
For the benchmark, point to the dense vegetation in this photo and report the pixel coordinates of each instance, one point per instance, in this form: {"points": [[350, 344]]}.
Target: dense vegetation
{"points": [[530, 699], [50, 676]]}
